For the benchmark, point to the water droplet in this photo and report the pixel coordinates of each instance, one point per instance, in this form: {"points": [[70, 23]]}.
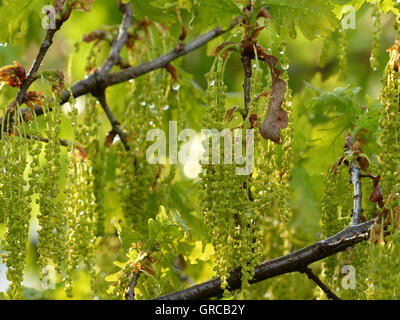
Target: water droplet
{"points": [[151, 123], [143, 103], [285, 66]]}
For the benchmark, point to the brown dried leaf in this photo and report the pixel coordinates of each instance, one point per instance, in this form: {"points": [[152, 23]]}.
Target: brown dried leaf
{"points": [[229, 114], [11, 107], [34, 97], [277, 117], [263, 13], [109, 138], [84, 5], [94, 35], [254, 35], [394, 53], [28, 116], [376, 233], [222, 46], [13, 75], [364, 163], [264, 93], [58, 4], [79, 153], [253, 120], [376, 195]]}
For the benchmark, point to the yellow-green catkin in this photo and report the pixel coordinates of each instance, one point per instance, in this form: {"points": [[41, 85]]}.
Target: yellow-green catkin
{"points": [[383, 278], [91, 140], [361, 264], [389, 138], [287, 146], [336, 208], [51, 234], [225, 200], [80, 208], [397, 26], [272, 192], [383, 283], [330, 220], [342, 53], [324, 51], [266, 183], [135, 175], [16, 197], [376, 18]]}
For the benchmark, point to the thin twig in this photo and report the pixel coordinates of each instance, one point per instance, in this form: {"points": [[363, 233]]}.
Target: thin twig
{"points": [[246, 83], [113, 59], [65, 143], [32, 75], [320, 284], [100, 95], [117, 45], [130, 292]]}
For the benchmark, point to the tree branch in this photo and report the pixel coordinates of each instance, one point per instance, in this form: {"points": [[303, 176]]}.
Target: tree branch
{"points": [[91, 83], [294, 262], [113, 59], [319, 283], [88, 85]]}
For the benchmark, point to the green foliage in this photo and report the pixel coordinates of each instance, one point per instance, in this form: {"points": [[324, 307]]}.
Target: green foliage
{"points": [[153, 10], [155, 259], [209, 12], [15, 16], [314, 18]]}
